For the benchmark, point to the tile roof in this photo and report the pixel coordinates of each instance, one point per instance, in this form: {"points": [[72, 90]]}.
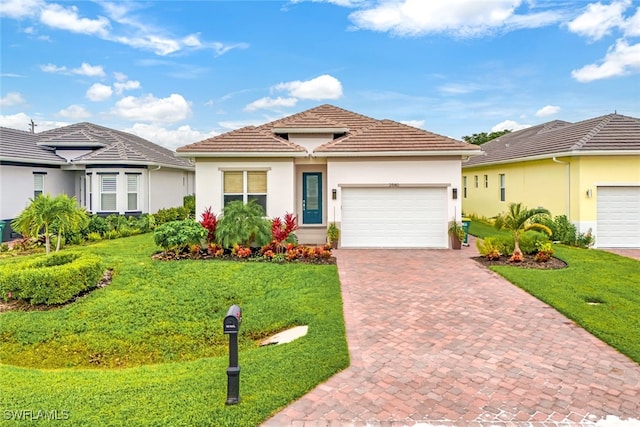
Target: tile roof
{"points": [[364, 135], [21, 146], [613, 132], [108, 145]]}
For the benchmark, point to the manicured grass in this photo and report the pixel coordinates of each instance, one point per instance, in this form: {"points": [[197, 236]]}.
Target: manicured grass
{"points": [[611, 283], [149, 349]]}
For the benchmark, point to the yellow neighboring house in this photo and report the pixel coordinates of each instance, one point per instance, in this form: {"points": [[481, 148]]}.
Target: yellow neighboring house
{"points": [[588, 171]]}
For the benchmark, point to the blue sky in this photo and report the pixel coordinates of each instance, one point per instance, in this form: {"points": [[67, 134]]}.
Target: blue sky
{"points": [[176, 72]]}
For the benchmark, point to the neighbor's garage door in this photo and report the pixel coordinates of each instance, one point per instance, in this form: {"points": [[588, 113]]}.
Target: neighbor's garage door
{"points": [[618, 217], [394, 217]]}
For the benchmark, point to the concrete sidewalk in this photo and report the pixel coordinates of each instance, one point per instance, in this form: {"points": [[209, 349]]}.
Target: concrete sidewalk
{"points": [[436, 339]]}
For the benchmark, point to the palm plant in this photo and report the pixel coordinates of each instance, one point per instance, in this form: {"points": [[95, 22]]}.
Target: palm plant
{"points": [[45, 212], [519, 219], [243, 224]]}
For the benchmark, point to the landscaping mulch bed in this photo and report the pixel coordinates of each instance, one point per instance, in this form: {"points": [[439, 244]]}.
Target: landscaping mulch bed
{"points": [[528, 262], [203, 255]]}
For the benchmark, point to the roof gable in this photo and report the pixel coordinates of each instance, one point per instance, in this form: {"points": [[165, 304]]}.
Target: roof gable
{"points": [[20, 146], [356, 133]]}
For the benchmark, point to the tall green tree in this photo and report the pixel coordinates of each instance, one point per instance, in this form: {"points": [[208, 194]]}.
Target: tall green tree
{"points": [[482, 137], [519, 219], [45, 212]]}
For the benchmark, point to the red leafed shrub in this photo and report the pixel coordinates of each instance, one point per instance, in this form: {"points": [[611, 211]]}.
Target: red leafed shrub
{"points": [[215, 250], [209, 221], [281, 230], [241, 252]]}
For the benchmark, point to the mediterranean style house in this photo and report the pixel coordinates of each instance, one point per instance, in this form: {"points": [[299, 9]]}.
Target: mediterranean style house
{"points": [[108, 171], [588, 171], [384, 183]]}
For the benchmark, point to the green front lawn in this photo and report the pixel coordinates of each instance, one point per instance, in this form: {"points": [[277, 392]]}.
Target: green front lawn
{"points": [[149, 349], [598, 290]]}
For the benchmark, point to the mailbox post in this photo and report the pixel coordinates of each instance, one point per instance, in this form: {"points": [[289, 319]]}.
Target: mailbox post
{"points": [[231, 327]]}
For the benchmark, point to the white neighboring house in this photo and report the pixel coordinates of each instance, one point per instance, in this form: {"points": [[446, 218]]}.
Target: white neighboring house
{"points": [[108, 171], [384, 183]]}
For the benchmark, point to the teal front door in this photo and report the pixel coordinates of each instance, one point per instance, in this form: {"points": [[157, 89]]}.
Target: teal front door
{"points": [[312, 198]]}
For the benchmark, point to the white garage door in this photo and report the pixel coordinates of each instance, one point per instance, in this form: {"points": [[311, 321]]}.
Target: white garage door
{"points": [[618, 224], [394, 217]]}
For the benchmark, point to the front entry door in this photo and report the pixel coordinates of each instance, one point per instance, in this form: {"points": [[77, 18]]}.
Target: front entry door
{"points": [[312, 198]]}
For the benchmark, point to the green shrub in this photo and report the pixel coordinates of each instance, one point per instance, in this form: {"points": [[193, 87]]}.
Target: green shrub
{"points": [[145, 223], [4, 247], [111, 234], [171, 214], [178, 235], [488, 248], [94, 237], [504, 243], [529, 241], [52, 279], [243, 224], [189, 202], [97, 224]]}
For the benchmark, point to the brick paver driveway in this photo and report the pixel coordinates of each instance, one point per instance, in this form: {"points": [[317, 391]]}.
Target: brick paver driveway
{"points": [[437, 339]]}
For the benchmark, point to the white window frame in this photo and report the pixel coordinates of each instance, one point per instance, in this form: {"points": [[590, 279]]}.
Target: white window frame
{"points": [[38, 184], [503, 188], [113, 176], [245, 183], [486, 181], [464, 187], [136, 177]]}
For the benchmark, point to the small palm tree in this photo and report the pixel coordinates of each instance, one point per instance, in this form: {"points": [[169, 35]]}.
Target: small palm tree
{"points": [[45, 212], [517, 220]]}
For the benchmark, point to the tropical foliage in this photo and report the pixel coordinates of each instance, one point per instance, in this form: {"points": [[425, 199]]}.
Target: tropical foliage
{"points": [[517, 220], [243, 224]]}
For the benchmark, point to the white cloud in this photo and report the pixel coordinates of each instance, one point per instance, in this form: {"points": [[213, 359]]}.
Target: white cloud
{"points": [[59, 17], [620, 60], [89, 70], [344, 3], [119, 76], [21, 121], [598, 19], [18, 9], [169, 138], [74, 112], [460, 18], [632, 25], [267, 103], [99, 92], [510, 125], [128, 85], [322, 87], [548, 110], [459, 88], [415, 123], [52, 68], [11, 99], [148, 108]]}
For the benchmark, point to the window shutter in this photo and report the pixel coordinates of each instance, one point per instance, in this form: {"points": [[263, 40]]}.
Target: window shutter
{"points": [[108, 184], [132, 183]]}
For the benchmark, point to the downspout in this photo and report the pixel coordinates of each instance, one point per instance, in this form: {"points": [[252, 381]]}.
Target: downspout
{"points": [[149, 189], [568, 201]]}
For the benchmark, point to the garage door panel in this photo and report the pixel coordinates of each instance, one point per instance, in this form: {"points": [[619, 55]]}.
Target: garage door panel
{"points": [[394, 217], [618, 217]]}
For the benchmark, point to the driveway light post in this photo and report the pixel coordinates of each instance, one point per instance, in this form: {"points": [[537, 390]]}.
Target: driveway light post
{"points": [[231, 327]]}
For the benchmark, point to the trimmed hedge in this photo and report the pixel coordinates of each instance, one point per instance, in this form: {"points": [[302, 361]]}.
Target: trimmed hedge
{"points": [[51, 279]]}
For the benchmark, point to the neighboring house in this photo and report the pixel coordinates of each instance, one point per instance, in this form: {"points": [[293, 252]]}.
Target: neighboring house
{"points": [[384, 183], [108, 171], [588, 171]]}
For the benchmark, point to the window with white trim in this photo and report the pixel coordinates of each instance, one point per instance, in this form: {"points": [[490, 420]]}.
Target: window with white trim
{"points": [[133, 191], [38, 184], [108, 195], [486, 181], [503, 190], [475, 179], [245, 186]]}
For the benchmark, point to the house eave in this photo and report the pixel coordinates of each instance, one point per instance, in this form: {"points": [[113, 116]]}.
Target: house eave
{"points": [[245, 154], [549, 156], [31, 161], [135, 163], [439, 153]]}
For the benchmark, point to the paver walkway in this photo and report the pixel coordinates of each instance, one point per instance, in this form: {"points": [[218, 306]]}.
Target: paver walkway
{"points": [[436, 339]]}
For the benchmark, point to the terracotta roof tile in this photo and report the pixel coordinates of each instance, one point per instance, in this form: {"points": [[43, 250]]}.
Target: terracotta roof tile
{"points": [[613, 132], [246, 139], [365, 134], [389, 136]]}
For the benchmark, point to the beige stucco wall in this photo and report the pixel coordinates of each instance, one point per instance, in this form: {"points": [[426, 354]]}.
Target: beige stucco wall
{"points": [[444, 172], [280, 183]]}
